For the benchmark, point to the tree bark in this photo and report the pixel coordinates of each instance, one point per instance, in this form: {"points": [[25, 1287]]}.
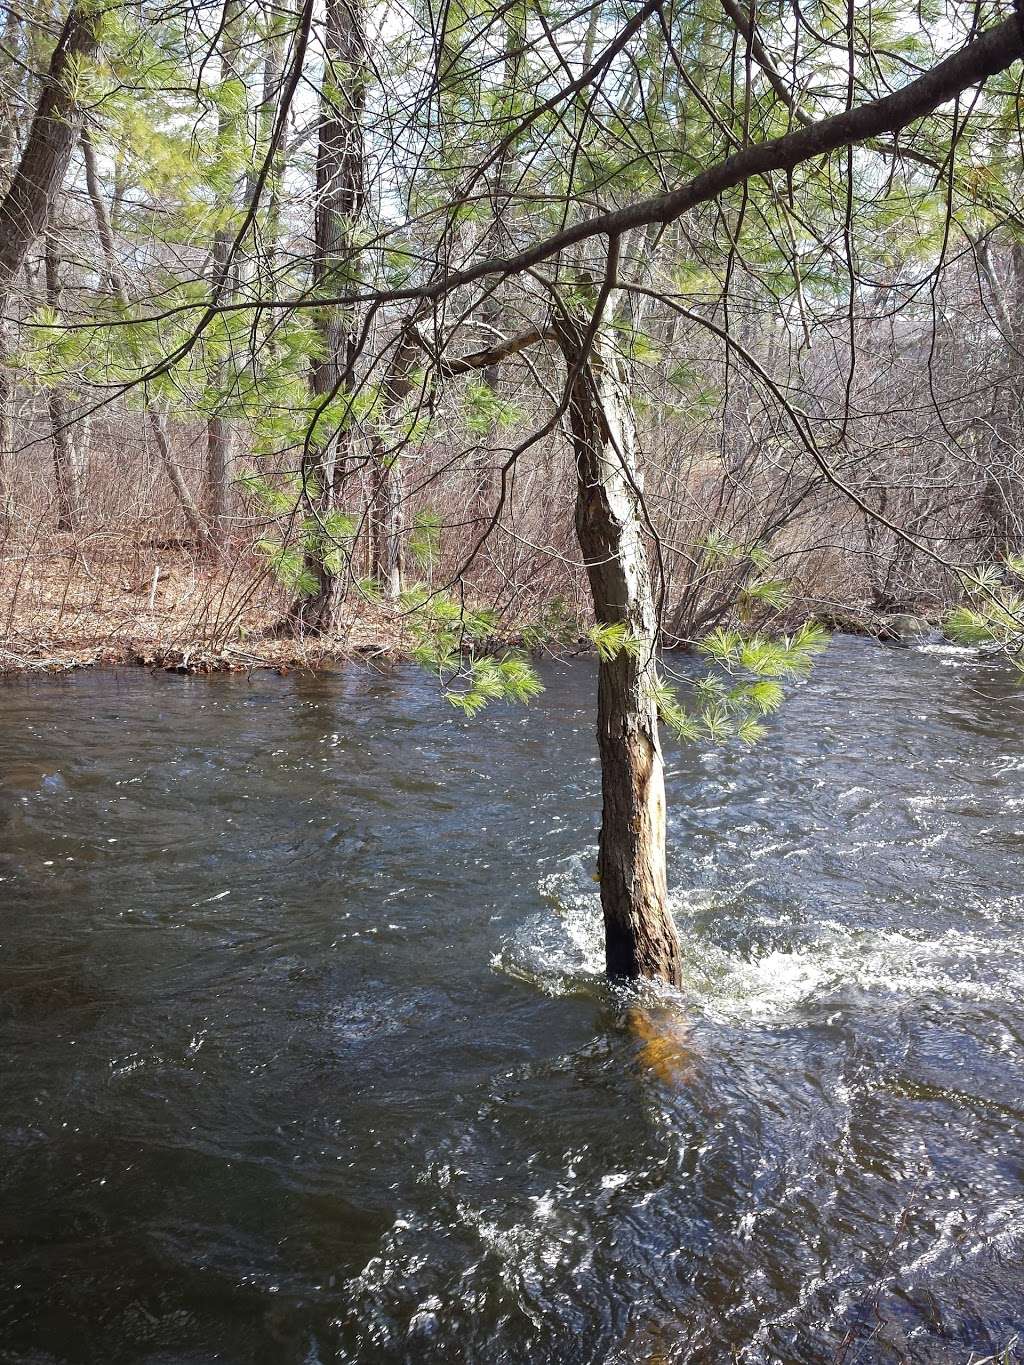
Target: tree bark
{"points": [[640, 936], [219, 432], [263, 263], [26, 205], [387, 510], [6, 433], [340, 197], [10, 130], [1003, 492], [67, 473], [44, 162]]}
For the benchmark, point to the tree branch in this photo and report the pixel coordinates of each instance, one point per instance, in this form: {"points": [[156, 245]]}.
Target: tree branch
{"points": [[987, 55], [494, 355]]}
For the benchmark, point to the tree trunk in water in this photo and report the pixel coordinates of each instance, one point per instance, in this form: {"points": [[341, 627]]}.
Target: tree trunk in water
{"points": [[341, 193], [26, 205], [155, 419], [67, 474], [640, 936]]}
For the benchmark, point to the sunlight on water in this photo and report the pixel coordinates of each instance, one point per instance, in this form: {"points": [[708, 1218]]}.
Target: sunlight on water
{"points": [[308, 1055], [562, 951]]}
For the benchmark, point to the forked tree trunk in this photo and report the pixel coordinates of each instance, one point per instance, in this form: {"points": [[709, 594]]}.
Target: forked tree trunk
{"points": [[640, 936]]}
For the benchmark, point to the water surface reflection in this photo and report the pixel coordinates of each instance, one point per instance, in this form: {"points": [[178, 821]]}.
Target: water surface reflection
{"points": [[307, 1057]]}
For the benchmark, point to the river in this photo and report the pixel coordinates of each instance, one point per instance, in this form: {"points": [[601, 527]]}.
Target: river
{"points": [[307, 1056]]}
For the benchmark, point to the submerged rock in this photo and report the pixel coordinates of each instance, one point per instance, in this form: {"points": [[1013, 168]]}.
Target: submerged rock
{"points": [[895, 628], [906, 629]]}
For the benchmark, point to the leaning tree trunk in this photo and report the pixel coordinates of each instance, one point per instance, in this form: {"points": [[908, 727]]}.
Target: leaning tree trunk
{"points": [[36, 180], [340, 196], [640, 936]]}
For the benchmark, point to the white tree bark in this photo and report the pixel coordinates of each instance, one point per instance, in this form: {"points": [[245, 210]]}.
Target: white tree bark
{"points": [[640, 936]]}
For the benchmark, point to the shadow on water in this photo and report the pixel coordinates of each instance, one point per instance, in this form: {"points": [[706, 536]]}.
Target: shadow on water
{"points": [[307, 1055]]}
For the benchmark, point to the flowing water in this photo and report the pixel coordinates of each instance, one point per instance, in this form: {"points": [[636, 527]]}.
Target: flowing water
{"points": [[306, 1054]]}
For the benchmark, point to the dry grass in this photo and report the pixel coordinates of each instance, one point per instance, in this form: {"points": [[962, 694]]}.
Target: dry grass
{"points": [[71, 603]]}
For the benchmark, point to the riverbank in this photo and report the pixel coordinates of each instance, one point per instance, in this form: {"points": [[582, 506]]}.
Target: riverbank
{"points": [[17, 658], [158, 606]]}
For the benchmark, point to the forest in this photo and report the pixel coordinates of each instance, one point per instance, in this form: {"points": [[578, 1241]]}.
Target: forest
{"points": [[290, 296], [669, 341]]}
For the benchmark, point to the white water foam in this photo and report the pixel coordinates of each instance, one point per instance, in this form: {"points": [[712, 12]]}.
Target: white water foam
{"points": [[560, 950]]}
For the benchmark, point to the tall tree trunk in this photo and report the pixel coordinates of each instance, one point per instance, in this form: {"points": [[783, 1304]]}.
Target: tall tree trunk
{"points": [[10, 129], [6, 434], [1015, 404], [340, 196], [640, 936], [387, 519], [155, 419], [497, 241], [44, 162], [1003, 491], [67, 474], [387, 511], [278, 16], [35, 182], [219, 433]]}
